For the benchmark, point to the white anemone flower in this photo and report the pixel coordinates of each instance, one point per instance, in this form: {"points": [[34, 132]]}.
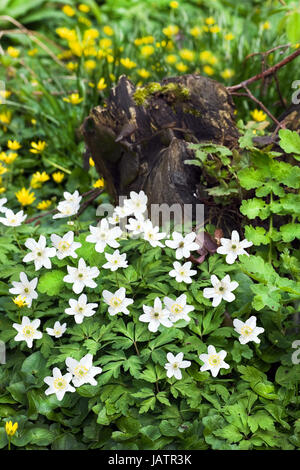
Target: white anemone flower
{"points": [[27, 331], [83, 371], [152, 234], [102, 235], [11, 219], [58, 384], [65, 246], [183, 272], [174, 364], [222, 289], [25, 288], [213, 361], [115, 261], [2, 202], [66, 209], [40, 254], [137, 203], [117, 301], [82, 276], [135, 226], [155, 316], [178, 308], [248, 330], [81, 308], [183, 245], [58, 330], [233, 247]]}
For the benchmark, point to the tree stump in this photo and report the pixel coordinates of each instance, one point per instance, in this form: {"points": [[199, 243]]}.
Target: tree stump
{"points": [[139, 138]]}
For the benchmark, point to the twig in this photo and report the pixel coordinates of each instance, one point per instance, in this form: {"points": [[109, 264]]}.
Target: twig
{"points": [[257, 101], [88, 201]]}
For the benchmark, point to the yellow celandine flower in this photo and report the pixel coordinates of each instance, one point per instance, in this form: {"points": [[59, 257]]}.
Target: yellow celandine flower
{"points": [[83, 8], [72, 66], [174, 4], [101, 84], [210, 21], [84, 20], [170, 30], [3, 170], [25, 197], [32, 52], [20, 301], [181, 67], [11, 428], [91, 162], [266, 25], [13, 52], [229, 36], [90, 64], [127, 63], [74, 98], [38, 179], [108, 30], [58, 176], [171, 59], [37, 147], [112, 77], [99, 183], [110, 58], [8, 159], [66, 33], [13, 145], [144, 40], [227, 73], [215, 29], [5, 117], [208, 70], [4, 94], [187, 54], [2, 189], [68, 10], [258, 115], [147, 50], [143, 73], [90, 33], [33, 122], [195, 31], [105, 43], [43, 205]]}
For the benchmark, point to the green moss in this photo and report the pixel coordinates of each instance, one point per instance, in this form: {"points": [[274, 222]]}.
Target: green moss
{"points": [[173, 91]]}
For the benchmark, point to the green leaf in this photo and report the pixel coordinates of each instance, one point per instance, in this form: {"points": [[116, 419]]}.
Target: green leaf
{"points": [[51, 283]]}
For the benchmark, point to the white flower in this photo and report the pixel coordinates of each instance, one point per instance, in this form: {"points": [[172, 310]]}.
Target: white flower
{"points": [[114, 219], [80, 308], [155, 316], [220, 290], [66, 209], [183, 273], [115, 261], [2, 202], [11, 219], [82, 276], [174, 364], [122, 211], [27, 331], [83, 371], [103, 235], [58, 330], [65, 245], [234, 247], [183, 245], [136, 226], [152, 234], [137, 204], [72, 198], [178, 308], [40, 254], [213, 361], [25, 288], [248, 330], [59, 384], [118, 302]]}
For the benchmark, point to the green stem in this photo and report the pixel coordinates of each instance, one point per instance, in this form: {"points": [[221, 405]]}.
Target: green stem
{"points": [[117, 280], [270, 230], [16, 238]]}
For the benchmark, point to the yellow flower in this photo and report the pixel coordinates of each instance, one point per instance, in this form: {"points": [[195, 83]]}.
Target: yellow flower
{"points": [[229, 37], [207, 56], [84, 20], [43, 205], [91, 162], [38, 147], [105, 43], [215, 29], [101, 84], [58, 176], [210, 21], [208, 70], [68, 10], [127, 63], [174, 4], [258, 115], [33, 121], [38, 179], [108, 30], [227, 73], [99, 183], [112, 77], [32, 52], [13, 52], [3, 169], [25, 197], [4, 94], [73, 99], [171, 59], [20, 301], [11, 428], [8, 159], [187, 54], [195, 31], [13, 145], [143, 73], [84, 8], [170, 30], [147, 50], [266, 25], [90, 64], [72, 66], [5, 117], [181, 67]]}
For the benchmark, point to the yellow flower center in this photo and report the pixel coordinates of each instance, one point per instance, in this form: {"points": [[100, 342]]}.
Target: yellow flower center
{"points": [[214, 360], [246, 330], [80, 371], [115, 302], [59, 383], [176, 308], [28, 331], [63, 245]]}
